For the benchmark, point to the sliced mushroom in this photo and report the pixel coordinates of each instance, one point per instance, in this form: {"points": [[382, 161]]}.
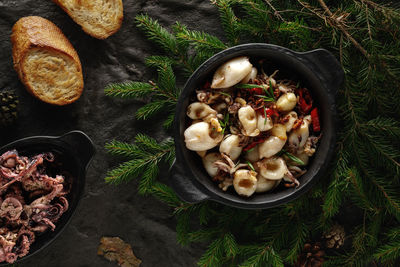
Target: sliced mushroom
{"points": [[230, 146], [245, 182], [298, 137], [264, 124], [248, 120], [231, 72], [199, 110], [208, 162], [251, 76], [286, 102], [273, 168], [200, 137], [289, 120]]}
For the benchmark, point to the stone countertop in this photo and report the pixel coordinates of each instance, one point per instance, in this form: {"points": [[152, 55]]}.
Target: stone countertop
{"points": [[104, 210]]}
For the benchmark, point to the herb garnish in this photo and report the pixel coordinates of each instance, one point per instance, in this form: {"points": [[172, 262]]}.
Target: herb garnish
{"points": [[266, 98], [249, 86], [292, 157], [250, 165], [225, 123]]}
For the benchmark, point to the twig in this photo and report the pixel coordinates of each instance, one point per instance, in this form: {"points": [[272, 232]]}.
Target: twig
{"points": [[276, 13], [368, 25], [331, 20], [373, 5], [341, 49], [339, 24]]}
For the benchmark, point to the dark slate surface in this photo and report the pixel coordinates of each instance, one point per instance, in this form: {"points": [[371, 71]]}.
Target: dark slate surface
{"points": [[104, 210]]}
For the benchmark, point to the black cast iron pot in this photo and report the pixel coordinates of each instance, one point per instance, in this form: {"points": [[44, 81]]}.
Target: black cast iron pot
{"points": [[318, 70], [73, 152]]}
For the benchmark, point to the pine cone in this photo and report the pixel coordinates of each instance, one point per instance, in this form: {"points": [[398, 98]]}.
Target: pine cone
{"points": [[335, 237], [311, 256], [8, 108]]}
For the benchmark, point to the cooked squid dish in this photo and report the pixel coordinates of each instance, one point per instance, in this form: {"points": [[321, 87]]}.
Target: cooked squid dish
{"points": [[252, 131], [31, 201]]}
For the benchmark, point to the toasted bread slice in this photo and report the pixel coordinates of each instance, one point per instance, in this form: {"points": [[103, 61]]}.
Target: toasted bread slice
{"points": [[46, 62], [98, 18]]}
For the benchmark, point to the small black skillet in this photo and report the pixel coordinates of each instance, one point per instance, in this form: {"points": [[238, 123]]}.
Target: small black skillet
{"points": [[73, 152], [318, 70]]}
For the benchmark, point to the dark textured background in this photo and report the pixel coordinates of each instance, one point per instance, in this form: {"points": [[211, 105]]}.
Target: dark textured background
{"points": [[104, 210]]}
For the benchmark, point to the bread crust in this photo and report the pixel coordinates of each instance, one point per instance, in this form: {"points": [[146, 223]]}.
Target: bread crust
{"points": [[107, 32], [37, 32]]}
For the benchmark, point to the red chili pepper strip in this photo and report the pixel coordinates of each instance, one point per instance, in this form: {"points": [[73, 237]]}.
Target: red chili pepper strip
{"points": [[258, 91], [253, 144], [207, 85], [315, 120], [305, 100], [269, 111]]}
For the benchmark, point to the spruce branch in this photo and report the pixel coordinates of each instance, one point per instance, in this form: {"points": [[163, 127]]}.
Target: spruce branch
{"points": [[155, 32], [262, 256], [335, 22], [129, 89], [165, 194], [388, 252], [153, 108], [202, 42], [338, 185], [228, 19], [231, 248], [118, 148], [276, 13], [301, 233], [212, 256], [144, 156], [366, 169]]}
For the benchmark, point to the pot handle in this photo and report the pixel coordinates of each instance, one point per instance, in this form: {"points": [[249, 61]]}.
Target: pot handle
{"points": [[326, 67], [184, 186], [81, 144]]}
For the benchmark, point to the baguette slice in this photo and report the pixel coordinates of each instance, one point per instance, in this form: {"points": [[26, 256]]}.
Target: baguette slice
{"points": [[98, 18], [45, 61]]}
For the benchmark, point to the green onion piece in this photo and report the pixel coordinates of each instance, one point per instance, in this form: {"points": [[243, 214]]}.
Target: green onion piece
{"points": [[266, 98], [223, 93], [248, 86], [270, 89], [298, 84], [293, 157], [225, 122], [250, 165], [251, 149]]}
